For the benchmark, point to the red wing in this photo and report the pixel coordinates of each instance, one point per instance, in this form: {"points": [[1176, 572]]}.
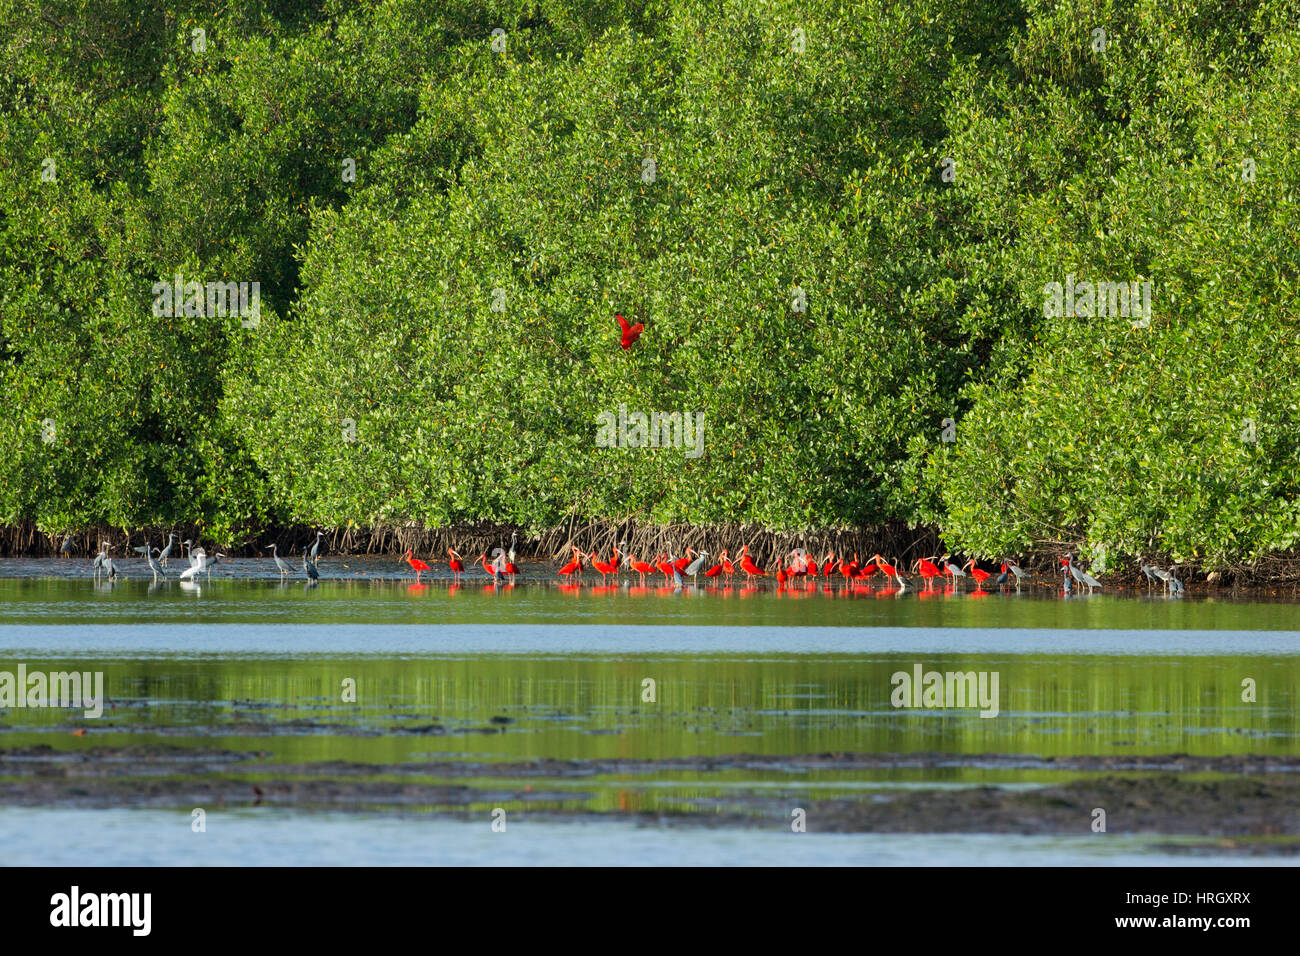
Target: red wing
{"points": [[622, 324]]}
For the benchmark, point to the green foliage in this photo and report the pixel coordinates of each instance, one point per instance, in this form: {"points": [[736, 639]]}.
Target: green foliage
{"points": [[794, 147]]}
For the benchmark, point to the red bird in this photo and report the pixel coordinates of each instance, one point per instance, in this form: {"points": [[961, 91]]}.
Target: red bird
{"points": [[714, 571], [574, 566], [602, 567], [630, 332], [829, 567], [416, 564], [664, 565], [457, 566], [929, 571], [978, 573], [747, 564], [640, 567], [727, 567]]}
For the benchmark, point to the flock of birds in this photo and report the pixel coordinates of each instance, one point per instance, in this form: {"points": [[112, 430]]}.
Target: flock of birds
{"points": [[797, 566]]}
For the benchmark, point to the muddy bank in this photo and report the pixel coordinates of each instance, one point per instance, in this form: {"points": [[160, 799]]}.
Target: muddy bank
{"points": [[1238, 803], [1274, 574]]}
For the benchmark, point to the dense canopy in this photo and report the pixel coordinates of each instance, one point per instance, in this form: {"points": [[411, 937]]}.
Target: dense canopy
{"points": [[835, 220]]}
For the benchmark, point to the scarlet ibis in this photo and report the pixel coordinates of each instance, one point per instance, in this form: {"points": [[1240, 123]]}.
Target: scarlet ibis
{"points": [[456, 564], [279, 561], [512, 570], [829, 566], [850, 569], [664, 564], [681, 563], [640, 567], [889, 569], [780, 578], [727, 567], [491, 569], [978, 573], [605, 568], [714, 571], [419, 566], [928, 570], [574, 566], [630, 332], [747, 565]]}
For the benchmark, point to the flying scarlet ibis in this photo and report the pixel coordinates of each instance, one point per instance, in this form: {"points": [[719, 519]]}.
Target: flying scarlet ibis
{"points": [[416, 564], [630, 332]]}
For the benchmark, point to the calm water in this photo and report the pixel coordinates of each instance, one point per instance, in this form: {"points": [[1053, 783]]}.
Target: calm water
{"points": [[539, 671]]}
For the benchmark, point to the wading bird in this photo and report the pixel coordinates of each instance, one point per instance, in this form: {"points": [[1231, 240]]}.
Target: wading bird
{"points": [[978, 573], [418, 566], [927, 569], [315, 548], [1175, 585], [1001, 579], [165, 553], [640, 567], [694, 567], [728, 569], [630, 332], [574, 567], [199, 564], [66, 550], [157, 571], [951, 570], [279, 562], [100, 558], [110, 568], [747, 565], [455, 563], [1015, 569], [1080, 575], [308, 566], [828, 568], [604, 568], [510, 554]]}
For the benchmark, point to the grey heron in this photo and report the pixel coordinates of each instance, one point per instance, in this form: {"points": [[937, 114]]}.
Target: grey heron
{"points": [[1016, 570], [309, 566], [153, 567], [279, 561], [315, 548], [1080, 575], [694, 567], [165, 553], [110, 567], [1175, 585], [951, 570], [510, 555], [66, 550], [100, 558]]}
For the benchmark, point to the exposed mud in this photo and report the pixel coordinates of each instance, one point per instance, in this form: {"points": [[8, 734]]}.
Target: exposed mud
{"points": [[1240, 804]]}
